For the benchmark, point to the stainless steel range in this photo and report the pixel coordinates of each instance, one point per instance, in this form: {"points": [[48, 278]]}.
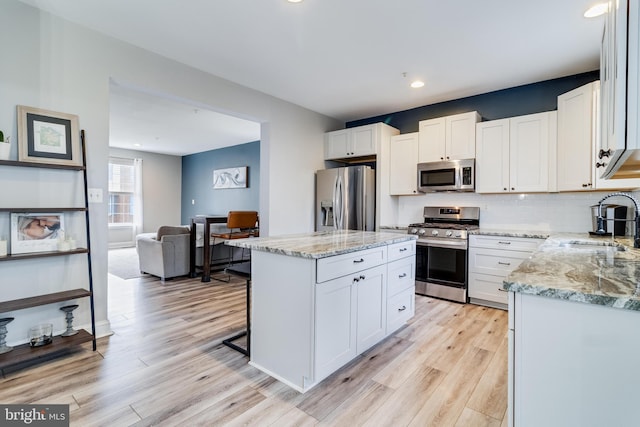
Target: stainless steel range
{"points": [[441, 251]]}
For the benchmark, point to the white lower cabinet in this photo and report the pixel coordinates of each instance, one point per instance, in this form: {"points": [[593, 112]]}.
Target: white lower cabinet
{"points": [[491, 259], [310, 317], [401, 291], [335, 325], [350, 317]]}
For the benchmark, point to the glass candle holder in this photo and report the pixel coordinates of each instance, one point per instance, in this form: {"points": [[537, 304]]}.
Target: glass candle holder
{"points": [[41, 335]]}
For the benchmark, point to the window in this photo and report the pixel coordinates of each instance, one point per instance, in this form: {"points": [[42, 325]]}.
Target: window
{"points": [[121, 191]]}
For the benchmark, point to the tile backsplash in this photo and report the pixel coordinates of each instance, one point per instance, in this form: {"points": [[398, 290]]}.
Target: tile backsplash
{"points": [[557, 212]]}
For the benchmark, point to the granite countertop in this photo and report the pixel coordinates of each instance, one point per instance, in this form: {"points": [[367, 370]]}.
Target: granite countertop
{"points": [[321, 244], [577, 267], [510, 233]]}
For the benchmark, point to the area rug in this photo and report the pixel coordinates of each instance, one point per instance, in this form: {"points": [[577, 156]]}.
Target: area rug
{"points": [[124, 263]]}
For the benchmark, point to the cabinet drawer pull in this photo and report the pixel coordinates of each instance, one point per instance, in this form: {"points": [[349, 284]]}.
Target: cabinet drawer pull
{"points": [[504, 263], [403, 308], [358, 261], [401, 276], [502, 290], [356, 280], [362, 277], [403, 249], [504, 243]]}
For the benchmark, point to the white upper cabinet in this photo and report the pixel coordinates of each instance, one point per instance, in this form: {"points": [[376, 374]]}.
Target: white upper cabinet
{"points": [[517, 154], [532, 148], [353, 142], [492, 156], [575, 138], [448, 138], [578, 143], [403, 161]]}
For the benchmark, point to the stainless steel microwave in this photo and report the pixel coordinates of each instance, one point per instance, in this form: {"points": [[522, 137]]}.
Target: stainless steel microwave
{"points": [[448, 175]]}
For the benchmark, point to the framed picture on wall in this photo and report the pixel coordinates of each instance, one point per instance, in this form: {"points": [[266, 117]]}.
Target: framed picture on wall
{"points": [[48, 137], [35, 232], [230, 178]]}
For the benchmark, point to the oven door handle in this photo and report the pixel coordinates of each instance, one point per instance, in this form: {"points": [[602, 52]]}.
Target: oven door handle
{"points": [[453, 244]]}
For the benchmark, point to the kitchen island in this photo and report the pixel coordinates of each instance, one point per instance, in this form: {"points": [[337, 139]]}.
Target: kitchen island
{"points": [[320, 299], [573, 334]]}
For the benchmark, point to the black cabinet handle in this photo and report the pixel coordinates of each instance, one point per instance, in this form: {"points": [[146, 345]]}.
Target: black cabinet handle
{"points": [[358, 261], [403, 275], [403, 308]]}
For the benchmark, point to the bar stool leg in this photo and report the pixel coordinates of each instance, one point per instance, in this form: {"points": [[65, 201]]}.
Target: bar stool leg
{"points": [[229, 341]]}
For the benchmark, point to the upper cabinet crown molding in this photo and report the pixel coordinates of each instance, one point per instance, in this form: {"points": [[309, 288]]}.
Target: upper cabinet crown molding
{"points": [[448, 138]]}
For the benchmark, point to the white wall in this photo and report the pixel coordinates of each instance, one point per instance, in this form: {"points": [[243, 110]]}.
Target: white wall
{"points": [[560, 212], [54, 64]]}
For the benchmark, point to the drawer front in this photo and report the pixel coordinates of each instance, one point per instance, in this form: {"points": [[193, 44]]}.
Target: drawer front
{"points": [[506, 243], [486, 287], [400, 308], [495, 262], [401, 275], [341, 265], [401, 250]]}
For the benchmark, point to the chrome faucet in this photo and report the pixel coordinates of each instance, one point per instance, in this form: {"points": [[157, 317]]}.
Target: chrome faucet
{"points": [[636, 233]]}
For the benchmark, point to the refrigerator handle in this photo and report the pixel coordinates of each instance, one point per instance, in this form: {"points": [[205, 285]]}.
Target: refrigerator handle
{"points": [[337, 204]]}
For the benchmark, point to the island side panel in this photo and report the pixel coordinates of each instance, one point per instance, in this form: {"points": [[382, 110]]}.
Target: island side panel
{"points": [[575, 363], [282, 310]]}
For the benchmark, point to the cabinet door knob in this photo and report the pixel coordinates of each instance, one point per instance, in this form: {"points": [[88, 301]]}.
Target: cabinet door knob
{"points": [[604, 153], [600, 165], [513, 188], [505, 188]]}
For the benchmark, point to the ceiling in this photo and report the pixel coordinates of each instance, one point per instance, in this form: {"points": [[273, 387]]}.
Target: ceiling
{"points": [[352, 59]]}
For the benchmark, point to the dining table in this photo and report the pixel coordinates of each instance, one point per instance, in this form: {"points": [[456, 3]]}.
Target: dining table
{"points": [[206, 220]]}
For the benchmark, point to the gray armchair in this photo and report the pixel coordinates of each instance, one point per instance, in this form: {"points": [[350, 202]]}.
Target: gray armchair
{"points": [[166, 253]]}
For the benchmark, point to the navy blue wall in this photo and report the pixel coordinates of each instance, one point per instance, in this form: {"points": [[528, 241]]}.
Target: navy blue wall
{"points": [[197, 181], [516, 101]]}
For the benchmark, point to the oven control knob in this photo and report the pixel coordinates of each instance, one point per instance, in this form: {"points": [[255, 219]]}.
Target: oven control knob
{"points": [[421, 232], [434, 233], [449, 233], [413, 231]]}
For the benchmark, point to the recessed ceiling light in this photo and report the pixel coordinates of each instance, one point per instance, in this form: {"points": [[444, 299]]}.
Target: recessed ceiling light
{"points": [[137, 145], [416, 84], [294, 1], [597, 10]]}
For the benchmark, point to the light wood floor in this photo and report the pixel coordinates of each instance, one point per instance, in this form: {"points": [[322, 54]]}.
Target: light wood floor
{"points": [[165, 366]]}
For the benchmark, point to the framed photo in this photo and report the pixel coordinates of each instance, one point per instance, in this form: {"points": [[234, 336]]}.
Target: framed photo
{"points": [[35, 232], [48, 137], [230, 178]]}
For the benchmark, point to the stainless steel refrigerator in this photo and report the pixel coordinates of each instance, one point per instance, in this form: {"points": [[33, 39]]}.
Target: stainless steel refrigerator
{"points": [[345, 199]]}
